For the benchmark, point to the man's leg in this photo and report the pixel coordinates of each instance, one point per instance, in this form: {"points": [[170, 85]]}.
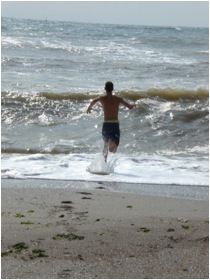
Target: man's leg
{"points": [[105, 150], [112, 146], [109, 146]]}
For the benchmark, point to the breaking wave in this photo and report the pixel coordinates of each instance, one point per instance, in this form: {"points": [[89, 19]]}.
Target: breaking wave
{"points": [[167, 94]]}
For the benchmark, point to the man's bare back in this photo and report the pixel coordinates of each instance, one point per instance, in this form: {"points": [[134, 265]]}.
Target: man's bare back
{"points": [[110, 104]]}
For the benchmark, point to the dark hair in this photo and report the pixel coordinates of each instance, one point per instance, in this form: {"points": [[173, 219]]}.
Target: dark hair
{"points": [[109, 86]]}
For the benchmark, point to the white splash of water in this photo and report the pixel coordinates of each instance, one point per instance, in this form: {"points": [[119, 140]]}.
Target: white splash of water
{"points": [[99, 166]]}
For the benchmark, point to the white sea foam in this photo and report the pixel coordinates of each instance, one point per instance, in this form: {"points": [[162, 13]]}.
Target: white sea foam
{"points": [[152, 169]]}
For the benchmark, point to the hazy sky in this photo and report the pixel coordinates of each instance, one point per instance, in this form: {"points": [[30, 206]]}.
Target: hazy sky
{"points": [[162, 13]]}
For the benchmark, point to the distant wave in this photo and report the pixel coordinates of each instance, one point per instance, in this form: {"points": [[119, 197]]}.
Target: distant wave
{"points": [[167, 94]]}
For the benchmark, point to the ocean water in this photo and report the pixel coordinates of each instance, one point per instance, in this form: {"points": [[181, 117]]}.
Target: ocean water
{"points": [[52, 70]]}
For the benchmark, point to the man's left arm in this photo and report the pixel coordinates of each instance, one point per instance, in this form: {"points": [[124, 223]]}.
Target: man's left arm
{"points": [[126, 104]]}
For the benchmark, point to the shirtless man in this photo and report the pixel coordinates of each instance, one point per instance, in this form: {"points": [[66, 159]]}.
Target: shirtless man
{"points": [[111, 129]]}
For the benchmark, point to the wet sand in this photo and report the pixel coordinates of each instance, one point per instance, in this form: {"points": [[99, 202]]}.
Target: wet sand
{"points": [[61, 233]]}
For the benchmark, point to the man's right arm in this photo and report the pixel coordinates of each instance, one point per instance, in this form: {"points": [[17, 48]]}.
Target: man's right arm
{"points": [[92, 103]]}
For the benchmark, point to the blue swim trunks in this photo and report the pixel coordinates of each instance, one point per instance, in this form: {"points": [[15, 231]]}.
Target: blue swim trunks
{"points": [[111, 131]]}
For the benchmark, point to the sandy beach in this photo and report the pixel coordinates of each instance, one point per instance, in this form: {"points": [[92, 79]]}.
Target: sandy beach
{"points": [[62, 233]]}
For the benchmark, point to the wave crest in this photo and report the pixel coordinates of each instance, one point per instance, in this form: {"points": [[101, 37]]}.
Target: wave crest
{"points": [[168, 94]]}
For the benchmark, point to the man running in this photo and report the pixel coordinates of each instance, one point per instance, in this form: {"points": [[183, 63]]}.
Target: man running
{"points": [[110, 130]]}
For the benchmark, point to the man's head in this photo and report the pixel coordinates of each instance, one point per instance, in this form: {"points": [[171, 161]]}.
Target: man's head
{"points": [[109, 87]]}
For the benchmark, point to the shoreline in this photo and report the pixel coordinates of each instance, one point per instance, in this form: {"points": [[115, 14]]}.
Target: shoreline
{"points": [[84, 233], [193, 192]]}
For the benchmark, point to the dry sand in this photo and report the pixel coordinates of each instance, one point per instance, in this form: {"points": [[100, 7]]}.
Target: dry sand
{"points": [[60, 233]]}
